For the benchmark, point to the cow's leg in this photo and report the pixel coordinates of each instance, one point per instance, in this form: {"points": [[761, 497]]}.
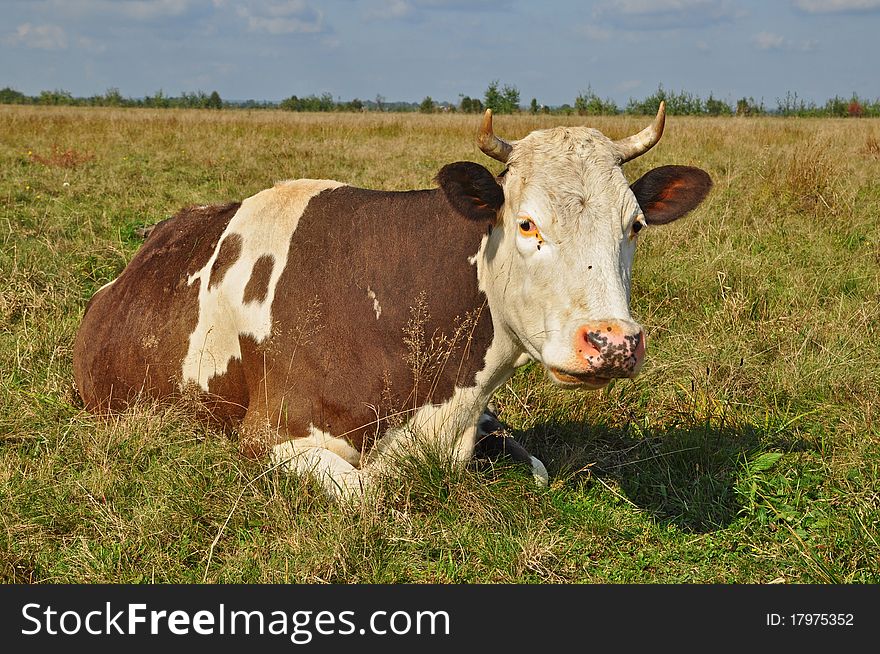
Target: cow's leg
{"points": [[494, 439], [339, 478], [453, 445], [331, 461]]}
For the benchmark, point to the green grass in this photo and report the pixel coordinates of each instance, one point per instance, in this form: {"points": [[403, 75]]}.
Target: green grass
{"points": [[748, 451]]}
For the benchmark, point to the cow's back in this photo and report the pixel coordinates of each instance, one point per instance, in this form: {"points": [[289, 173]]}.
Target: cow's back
{"points": [[135, 331]]}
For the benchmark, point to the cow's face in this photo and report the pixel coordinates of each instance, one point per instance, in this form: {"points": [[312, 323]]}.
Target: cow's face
{"points": [[564, 222]]}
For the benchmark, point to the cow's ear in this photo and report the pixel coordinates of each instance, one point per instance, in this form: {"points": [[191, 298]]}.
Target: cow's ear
{"points": [[669, 192], [472, 190]]}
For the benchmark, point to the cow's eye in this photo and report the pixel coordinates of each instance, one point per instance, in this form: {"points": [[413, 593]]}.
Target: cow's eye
{"points": [[527, 227]]}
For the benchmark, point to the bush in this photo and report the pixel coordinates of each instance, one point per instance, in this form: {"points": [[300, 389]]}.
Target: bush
{"points": [[11, 96], [748, 107], [715, 107], [470, 105], [590, 104], [502, 101], [427, 106]]}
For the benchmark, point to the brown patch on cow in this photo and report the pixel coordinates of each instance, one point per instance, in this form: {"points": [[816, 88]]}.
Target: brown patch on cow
{"points": [[230, 251], [135, 332], [227, 398], [258, 285], [342, 370]]}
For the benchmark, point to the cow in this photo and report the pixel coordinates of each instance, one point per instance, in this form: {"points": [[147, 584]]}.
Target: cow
{"points": [[335, 328]]}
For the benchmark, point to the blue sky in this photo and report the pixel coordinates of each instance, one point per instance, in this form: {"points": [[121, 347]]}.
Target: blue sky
{"points": [[408, 49]]}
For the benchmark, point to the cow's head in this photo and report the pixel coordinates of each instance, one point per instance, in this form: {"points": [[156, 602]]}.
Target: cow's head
{"points": [[563, 223]]}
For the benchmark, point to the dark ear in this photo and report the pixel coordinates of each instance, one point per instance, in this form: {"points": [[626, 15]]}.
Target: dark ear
{"points": [[471, 190], [669, 192]]}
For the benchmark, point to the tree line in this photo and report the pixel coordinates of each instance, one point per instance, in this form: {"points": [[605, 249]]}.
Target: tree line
{"points": [[502, 99]]}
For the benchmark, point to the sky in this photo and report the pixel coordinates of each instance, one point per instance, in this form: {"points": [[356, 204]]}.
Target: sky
{"points": [[405, 50]]}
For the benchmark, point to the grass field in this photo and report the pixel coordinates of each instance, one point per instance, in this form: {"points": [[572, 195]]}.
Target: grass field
{"points": [[747, 451]]}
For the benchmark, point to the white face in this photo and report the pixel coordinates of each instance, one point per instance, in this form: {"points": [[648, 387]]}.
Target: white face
{"points": [[557, 266]]}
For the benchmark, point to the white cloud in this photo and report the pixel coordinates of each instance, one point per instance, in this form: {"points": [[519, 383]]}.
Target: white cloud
{"points": [[282, 17], [390, 9], [40, 37], [150, 9], [90, 45], [837, 6], [132, 9], [664, 14], [772, 41], [417, 10], [768, 41]]}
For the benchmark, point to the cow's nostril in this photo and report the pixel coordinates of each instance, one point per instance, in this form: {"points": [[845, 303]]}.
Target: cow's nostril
{"points": [[590, 345], [594, 339]]}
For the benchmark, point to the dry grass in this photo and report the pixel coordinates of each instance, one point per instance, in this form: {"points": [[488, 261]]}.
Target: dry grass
{"points": [[762, 310]]}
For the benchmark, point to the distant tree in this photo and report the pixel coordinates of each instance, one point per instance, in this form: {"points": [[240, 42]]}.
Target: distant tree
{"points": [[510, 94], [427, 106], [11, 96], [533, 106], [715, 107], [492, 97], [325, 102], [837, 107], [214, 101], [112, 98], [309, 103], [502, 101], [855, 108], [380, 102], [290, 104], [792, 105], [470, 105], [682, 103], [159, 99], [56, 97], [589, 103], [649, 105], [748, 107]]}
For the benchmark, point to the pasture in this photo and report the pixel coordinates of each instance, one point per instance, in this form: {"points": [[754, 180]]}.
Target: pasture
{"points": [[747, 451]]}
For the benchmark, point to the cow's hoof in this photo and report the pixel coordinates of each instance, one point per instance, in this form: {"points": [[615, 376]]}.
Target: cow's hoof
{"points": [[494, 440], [539, 472]]}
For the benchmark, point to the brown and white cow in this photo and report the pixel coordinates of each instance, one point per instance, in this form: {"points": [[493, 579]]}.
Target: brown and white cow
{"points": [[337, 326]]}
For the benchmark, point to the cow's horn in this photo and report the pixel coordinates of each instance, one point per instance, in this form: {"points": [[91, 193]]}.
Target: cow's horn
{"points": [[632, 146], [489, 143]]}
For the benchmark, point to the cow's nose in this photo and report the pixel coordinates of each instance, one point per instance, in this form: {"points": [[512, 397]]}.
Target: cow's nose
{"points": [[611, 348]]}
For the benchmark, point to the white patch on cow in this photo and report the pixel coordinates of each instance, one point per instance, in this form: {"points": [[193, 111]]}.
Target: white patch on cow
{"points": [[339, 478], [377, 308], [339, 446], [266, 223]]}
